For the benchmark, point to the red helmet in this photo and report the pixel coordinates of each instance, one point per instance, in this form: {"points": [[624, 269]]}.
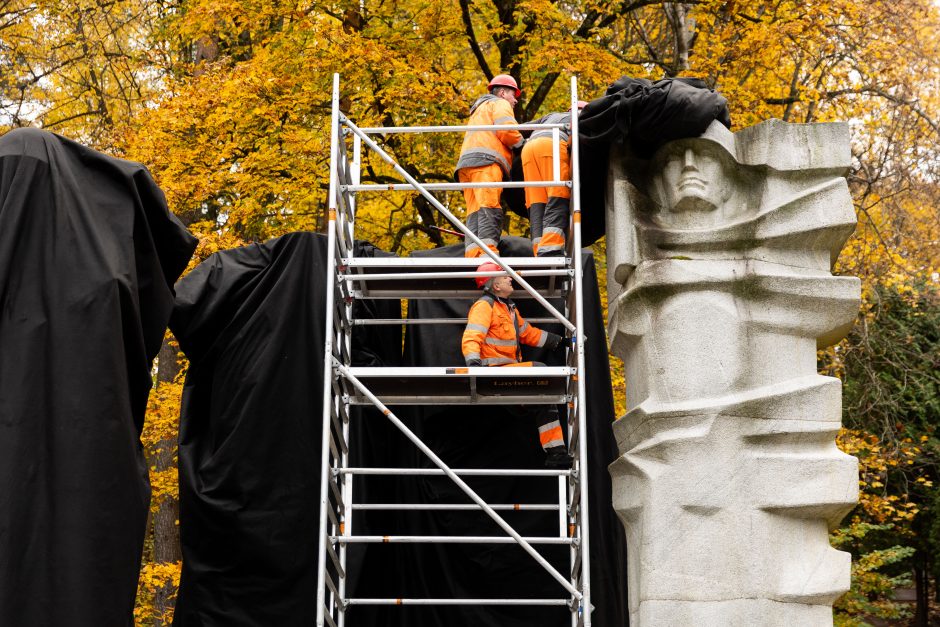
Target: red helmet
{"points": [[504, 80], [486, 266]]}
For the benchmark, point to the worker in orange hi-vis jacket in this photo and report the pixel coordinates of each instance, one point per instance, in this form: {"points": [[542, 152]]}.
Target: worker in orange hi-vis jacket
{"points": [[548, 206], [495, 330], [486, 157]]}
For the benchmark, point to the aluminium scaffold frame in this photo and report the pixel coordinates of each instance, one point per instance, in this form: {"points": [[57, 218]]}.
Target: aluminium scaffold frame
{"points": [[349, 278]]}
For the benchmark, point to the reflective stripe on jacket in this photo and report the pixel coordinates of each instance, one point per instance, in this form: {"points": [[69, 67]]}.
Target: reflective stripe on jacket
{"points": [[554, 118], [486, 147], [494, 330]]}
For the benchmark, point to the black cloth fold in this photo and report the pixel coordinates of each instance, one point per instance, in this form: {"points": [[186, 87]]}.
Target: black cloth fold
{"points": [[646, 114], [251, 322], [88, 256]]}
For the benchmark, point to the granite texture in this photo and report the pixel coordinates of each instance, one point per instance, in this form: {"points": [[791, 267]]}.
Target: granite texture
{"points": [[728, 481]]}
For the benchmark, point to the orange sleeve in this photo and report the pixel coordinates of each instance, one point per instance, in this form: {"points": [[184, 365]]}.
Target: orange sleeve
{"points": [[529, 335], [478, 325], [502, 114]]}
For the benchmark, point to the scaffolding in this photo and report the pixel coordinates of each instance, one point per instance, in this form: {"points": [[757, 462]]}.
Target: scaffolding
{"points": [[350, 278]]}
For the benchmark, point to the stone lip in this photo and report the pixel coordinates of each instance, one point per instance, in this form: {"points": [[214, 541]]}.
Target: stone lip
{"points": [[818, 218], [779, 145], [812, 400], [784, 299]]}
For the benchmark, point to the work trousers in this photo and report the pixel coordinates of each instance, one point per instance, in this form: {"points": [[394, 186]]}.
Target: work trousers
{"points": [[545, 416], [548, 206], [484, 211], [546, 419]]}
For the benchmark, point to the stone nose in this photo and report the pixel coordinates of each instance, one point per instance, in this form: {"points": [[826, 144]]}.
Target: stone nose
{"points": [[688, 160]]}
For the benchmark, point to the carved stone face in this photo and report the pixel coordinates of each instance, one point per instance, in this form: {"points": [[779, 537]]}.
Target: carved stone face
{"points": [[691, 177]]}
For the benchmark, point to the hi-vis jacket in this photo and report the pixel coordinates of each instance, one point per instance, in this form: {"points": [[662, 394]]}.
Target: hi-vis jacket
{"points": [[494, 331], [485, 147], [563, 117]]}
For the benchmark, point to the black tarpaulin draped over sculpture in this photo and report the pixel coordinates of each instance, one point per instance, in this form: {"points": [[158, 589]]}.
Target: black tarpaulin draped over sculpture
{"points": [[646, 115], [88, 257], [251, 322]]}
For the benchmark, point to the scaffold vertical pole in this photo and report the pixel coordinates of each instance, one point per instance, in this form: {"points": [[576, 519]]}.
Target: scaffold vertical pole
{"points": [[328, 356], [579, 334]]}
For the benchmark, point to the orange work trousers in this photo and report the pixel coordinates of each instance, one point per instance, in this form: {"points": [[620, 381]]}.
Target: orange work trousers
{"points": [[548, 206], [484, 211], [545, 416]]}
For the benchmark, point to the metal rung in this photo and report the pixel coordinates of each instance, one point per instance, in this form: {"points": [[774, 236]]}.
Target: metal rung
{"points": [[467, 472], [340, 505], [437, 294], [483, 372], [451, 187], [558, 602], [333, 518], [420, 321], [449, 540], [332, 587], [449, 262], [339, 430], [574, 437], [573, 503], [469, 399], [519, 507], [576, 571], [537, 385], [448, 275], [335, 558], [333, 449], [387, 130]]}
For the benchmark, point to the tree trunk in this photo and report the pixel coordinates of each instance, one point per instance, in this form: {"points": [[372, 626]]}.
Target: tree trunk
{"points": [[678, 16], [922, 587], [166, 538]]}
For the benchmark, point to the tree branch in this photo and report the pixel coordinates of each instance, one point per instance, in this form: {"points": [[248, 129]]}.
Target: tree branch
{"points": [[472, 39]]}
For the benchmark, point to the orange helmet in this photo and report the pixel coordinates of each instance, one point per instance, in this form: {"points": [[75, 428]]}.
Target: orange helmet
{"points": [[504, 80], [486, 266]]}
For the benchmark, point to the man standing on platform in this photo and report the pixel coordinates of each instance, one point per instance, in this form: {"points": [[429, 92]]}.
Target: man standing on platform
{"points": [[548, 206], [495, 329], [486, 157]]}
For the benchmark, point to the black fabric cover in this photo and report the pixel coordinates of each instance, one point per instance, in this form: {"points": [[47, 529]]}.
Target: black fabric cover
{"points": [[647, 115], [88, 257], [251, 322]]}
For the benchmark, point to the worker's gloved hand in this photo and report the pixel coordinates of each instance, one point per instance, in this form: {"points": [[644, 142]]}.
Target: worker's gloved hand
{"points": [[553, 341], [564, 343], [474, 362]]}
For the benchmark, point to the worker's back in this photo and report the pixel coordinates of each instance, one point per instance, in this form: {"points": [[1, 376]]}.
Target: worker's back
{"points": [[482, 148]]}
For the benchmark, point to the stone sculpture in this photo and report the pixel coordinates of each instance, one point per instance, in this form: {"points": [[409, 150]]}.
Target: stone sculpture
{"points": [[719, 258]]}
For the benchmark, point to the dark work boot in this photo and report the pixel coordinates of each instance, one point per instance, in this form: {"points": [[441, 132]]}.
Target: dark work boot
{"points": [[557, 457]]}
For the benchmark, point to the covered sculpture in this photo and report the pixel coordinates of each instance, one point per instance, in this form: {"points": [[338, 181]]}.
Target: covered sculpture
{"points": [[89, 253], [719, 256]]}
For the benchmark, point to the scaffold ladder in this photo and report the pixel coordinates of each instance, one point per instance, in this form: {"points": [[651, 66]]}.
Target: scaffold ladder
{"points": [[350, 278]]}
